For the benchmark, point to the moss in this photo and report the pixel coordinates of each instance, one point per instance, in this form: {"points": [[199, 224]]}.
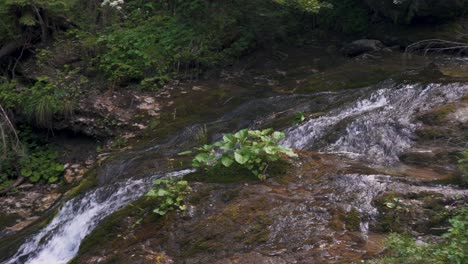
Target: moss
{"points": [[8, 220], [351, 75], [236, 173], [89, 182], [199, 196], [200, 246], [258, 233], [429, 133], [437, 116], [107, 231], [337, 221], [353, 220], [221, 174], [230, 195], [389, 219]]}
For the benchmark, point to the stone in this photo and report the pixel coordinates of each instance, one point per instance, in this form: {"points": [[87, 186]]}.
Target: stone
{"points": [[362, 46]]}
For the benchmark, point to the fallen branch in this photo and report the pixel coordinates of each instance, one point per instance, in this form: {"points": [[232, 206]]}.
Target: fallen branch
{"points": [[17, 183], [437, 46]]}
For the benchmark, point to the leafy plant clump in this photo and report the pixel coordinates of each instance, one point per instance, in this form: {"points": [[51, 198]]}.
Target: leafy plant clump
{"points": [[252, 149], [34, 160], [39, 103], [170, 195], [404, 249], [41, 165]]}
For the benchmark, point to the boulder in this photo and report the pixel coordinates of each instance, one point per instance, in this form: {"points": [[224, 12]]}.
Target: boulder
{"points": [[361, 46], [405, 11]]}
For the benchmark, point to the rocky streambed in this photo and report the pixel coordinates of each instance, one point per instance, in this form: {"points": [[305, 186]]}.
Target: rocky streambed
{"points": [[378, 158]]}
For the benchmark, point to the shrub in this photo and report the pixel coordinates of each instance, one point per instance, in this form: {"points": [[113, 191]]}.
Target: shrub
{"points": [[252, 149], [170, 195], [348, 16], [40, 102], [41, 165], [403, 249], [35, 161]]}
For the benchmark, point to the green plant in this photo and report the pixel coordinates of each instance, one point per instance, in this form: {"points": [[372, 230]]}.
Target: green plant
{"points": [[403, 249], [252, 149], [41, 165], [170, 195], [40, 102], [299, 118], [395, 203], [348, 16]]}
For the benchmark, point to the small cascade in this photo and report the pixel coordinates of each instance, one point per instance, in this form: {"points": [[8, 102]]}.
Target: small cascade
{"points": [[377, 127], [59, 241]]}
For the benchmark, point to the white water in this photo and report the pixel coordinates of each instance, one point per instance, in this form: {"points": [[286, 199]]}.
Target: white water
{"points": [[59, 242], [378, 127]]}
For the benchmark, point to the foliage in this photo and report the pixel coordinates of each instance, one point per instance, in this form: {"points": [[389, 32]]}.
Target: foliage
{"points": [[252, 149], [41, 165], [20, 16], [348, 16], [161, 40], [40, 102], [299, 118], [403, 249], [311, 6], [463, 167], [36, 161], [170, 195]]}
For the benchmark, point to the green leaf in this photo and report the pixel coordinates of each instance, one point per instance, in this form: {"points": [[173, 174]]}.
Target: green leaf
{"points": [[202, 157], [183, 153], [35, 178], [242, 135], [26, 172], [53, 179], [270, 150], [229, 138], [162, 192], [159, 212], [278, 135], [182, 183], [59, 168], [241, 158], [226, 160]]}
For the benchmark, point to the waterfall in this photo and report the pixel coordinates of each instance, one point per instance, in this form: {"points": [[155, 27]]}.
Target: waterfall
{"points": [[60, 240], [377, 127]]}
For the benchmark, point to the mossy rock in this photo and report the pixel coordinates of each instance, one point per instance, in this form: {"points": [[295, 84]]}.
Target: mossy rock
{"points": [[353, 220], [423, 212], [8, 220], [437, 116], [236, 173]]}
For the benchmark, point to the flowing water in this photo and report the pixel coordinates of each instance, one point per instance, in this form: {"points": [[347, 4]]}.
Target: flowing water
{"points": [[377, 127], [374, 124], [60, 240]]}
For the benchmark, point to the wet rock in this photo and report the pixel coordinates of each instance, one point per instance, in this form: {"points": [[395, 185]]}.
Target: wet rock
{"points": [[361, 46]]}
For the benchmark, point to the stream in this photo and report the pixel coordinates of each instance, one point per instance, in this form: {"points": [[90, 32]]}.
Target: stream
{"points": [[373, 125]]}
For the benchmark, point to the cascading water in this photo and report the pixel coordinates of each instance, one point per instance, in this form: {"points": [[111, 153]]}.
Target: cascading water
{"points": [[60, 240], [377, 127]]}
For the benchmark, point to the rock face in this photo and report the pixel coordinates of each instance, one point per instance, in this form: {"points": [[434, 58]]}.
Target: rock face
{"points": [[405, 11], [361, 46]]}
